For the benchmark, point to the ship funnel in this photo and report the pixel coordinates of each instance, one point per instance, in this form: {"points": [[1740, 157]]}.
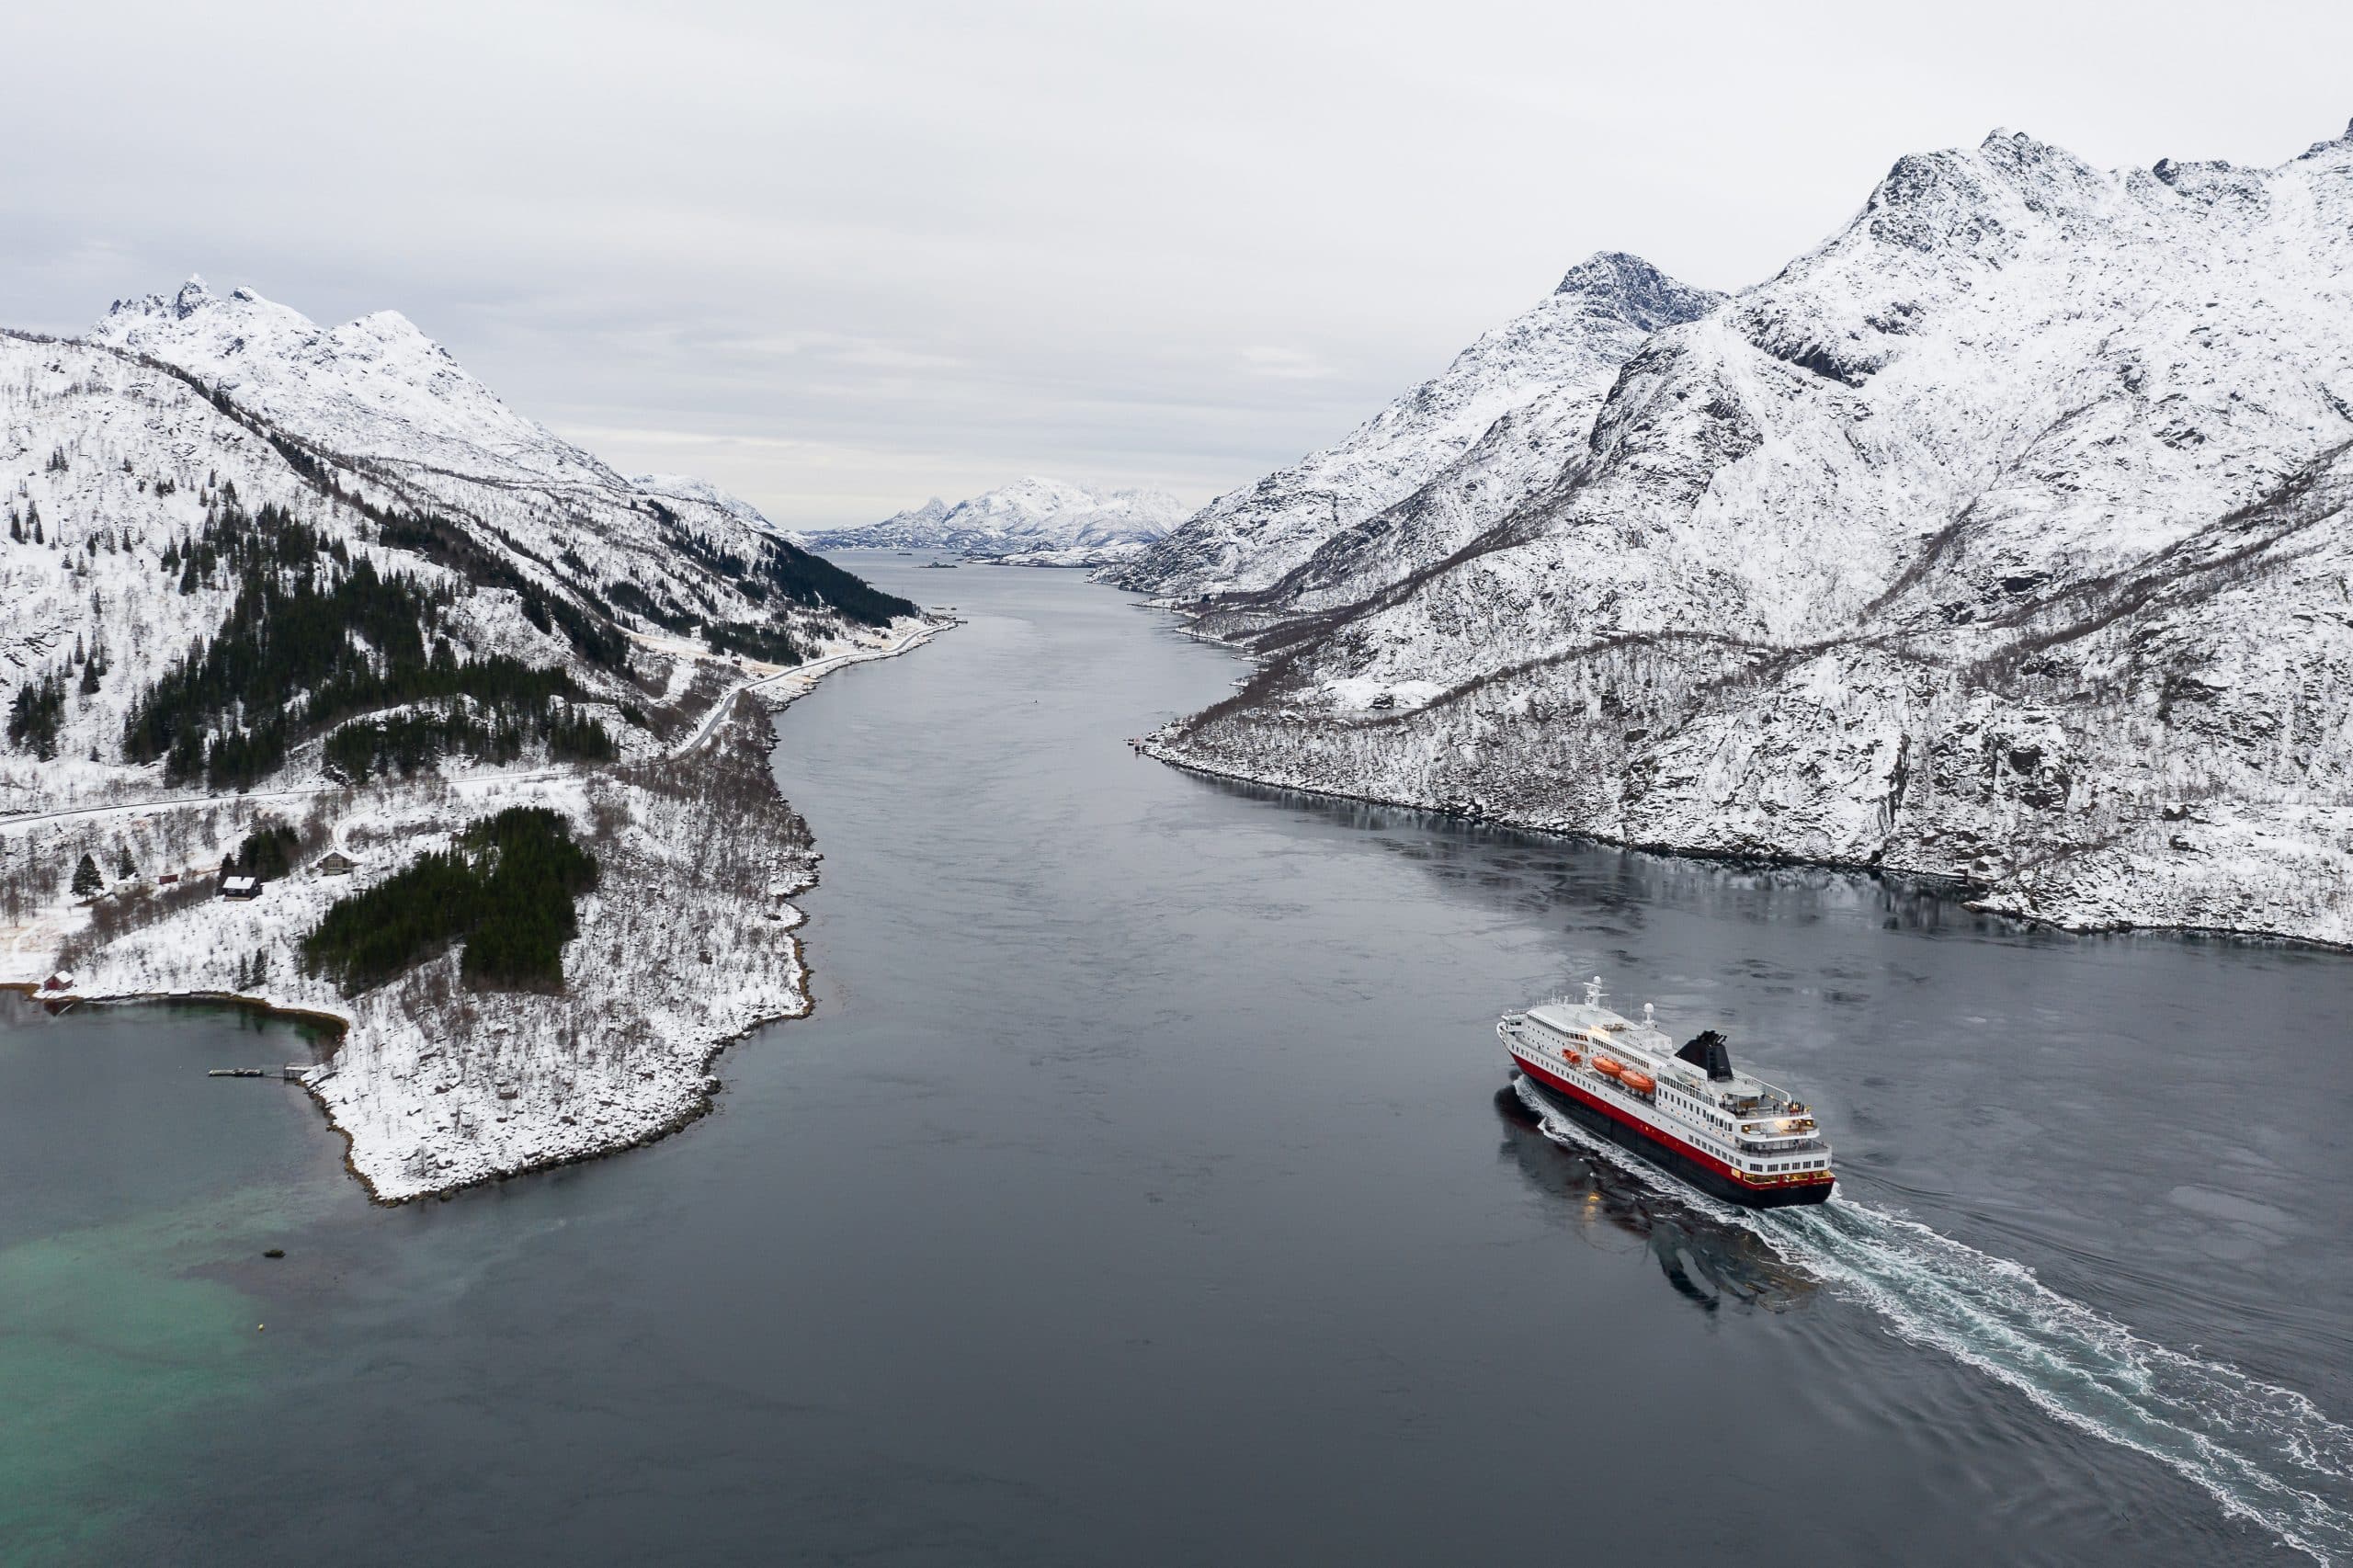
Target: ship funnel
{"points": [[1706, 1052]]}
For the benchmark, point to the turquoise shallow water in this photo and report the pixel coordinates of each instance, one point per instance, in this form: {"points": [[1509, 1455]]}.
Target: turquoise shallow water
{"points": [[1140, 1190], [141, 1196]]}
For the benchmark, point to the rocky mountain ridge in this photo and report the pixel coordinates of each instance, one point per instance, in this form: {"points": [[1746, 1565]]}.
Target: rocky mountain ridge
{"points": [[1400, 487]]}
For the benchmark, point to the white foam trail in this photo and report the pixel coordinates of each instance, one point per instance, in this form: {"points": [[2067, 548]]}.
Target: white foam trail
{"points": [[2266, 1454]]}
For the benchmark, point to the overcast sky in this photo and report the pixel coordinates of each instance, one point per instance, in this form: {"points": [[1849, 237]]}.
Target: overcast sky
{"points": [[840, 258]]}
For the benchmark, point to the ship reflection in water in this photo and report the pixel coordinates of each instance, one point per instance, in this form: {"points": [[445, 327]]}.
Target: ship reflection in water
{"points": [[1711, 1263]]}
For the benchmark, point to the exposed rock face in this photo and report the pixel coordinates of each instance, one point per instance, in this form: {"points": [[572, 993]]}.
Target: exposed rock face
{"points": [[1505, 410], [2002, 536]]}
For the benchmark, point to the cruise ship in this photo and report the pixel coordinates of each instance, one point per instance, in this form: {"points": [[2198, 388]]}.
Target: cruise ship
{"points": [[1686, 1110]]}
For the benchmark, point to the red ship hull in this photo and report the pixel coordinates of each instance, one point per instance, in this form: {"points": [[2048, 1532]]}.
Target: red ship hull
{"points": [[1697, 1166]]}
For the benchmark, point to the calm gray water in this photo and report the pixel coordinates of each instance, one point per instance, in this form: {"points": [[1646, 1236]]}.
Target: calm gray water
{"points": [[1141, 1192]]}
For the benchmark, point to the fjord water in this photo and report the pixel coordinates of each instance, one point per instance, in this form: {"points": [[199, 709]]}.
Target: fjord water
{"points": [[1142, 1191]]}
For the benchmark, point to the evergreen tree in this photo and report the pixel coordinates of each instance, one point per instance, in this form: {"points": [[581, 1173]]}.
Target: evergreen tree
{"points": [[37, 714], [86, 880], [123, 867]]}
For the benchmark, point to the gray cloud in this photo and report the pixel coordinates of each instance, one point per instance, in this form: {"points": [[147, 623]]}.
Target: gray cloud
{"points": [[840, 258]]}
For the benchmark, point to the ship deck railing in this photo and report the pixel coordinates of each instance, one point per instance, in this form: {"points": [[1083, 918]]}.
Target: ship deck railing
{"points": [[1806, 1145]]}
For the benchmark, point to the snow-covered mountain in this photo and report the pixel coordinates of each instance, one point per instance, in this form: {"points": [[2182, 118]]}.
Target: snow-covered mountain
{"points": [[374, 387], [138, 466], [377, 397], [1031, 522], [1505, 411], [2002, 536]]}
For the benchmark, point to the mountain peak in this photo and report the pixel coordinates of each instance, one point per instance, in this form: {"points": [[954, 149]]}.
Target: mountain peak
{"points": [[1633, 288], [193, 297], [1610, 272]]}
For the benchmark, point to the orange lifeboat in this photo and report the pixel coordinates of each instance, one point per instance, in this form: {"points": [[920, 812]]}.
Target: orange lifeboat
{"points": [[1639, 1082], [1607, 1067]]}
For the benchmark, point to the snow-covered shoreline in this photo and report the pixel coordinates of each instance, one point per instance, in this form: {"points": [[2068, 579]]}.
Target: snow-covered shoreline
{"points": [[2101, 906], [687, 946]]}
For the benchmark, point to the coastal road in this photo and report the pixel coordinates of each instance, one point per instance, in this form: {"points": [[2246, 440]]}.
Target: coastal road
{"points": [[299, 792], [807, 675]]}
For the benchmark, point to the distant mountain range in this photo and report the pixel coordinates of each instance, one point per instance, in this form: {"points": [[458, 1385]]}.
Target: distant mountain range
{"points": [[1031, 522], [2002, 537]]}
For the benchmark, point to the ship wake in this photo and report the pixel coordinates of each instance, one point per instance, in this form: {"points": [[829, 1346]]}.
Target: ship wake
{"points": [[2266, 1454]]}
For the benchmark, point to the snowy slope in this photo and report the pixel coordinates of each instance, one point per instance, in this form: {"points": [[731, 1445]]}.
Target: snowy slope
{"points": [[1560, 355], [375, 387], [1032, 521], [104, 465], [2001, 536], [377, 399]]}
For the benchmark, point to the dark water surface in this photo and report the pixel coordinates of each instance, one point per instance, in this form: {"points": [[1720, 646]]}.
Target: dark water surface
{"points": [[1141, 1192]]}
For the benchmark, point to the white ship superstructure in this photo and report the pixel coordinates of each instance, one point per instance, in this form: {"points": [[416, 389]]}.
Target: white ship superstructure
{"points": [[1730, 1135]]}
